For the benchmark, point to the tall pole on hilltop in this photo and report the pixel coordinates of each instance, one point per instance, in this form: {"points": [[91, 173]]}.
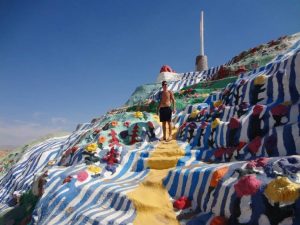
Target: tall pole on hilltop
{"points": [[201, 34], [201, 60]]}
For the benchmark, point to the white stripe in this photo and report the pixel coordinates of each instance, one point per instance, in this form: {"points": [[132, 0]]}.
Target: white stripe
{"points": [[228, 202], [76, 200], [189, 180], [217, 208], [196, 192], [209, 180], [179, 184]]}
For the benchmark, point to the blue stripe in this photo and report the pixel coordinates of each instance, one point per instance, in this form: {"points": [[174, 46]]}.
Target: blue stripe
{"points": [[288, 139]]}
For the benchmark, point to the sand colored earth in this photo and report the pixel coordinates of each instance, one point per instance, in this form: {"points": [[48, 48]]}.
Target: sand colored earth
{"points": [[3, 153], [150, 198]]}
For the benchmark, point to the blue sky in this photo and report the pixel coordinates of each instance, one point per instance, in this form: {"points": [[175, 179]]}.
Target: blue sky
{"points": [[66, 62]]}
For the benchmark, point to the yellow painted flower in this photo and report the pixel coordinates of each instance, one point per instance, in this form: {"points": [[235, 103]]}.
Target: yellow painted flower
{"points": [[51, 162], [194, 114], [282, 190], [204, 95], [91, 147], [94, 169], [70, 210], [138, 114], [215, 123], [287, 103], [218, 103], [259, 80], [101, 139], [114, 123]]}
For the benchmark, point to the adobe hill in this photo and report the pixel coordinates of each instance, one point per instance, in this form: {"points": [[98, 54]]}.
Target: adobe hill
{"points": [[234, 158]]}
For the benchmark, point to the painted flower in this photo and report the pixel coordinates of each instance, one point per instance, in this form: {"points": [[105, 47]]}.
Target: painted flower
{"points": [[260, 162], [101, 139], [189, 90], [150, 124], [67, 179], [282, 190], [94, 169], [114, 123], [182, 203], [138, 114], [260, 80], [255, 144], [218, 175], [247, 185], [82, 176], [217, 103], [74, 149], [219, 220], [194, 114], [51, 162], [91, 147], [215, 123], [69, 210], [96, 131], [126, 123]]}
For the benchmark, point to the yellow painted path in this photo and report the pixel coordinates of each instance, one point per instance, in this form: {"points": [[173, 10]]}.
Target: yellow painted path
{"points": [[150, 198]]}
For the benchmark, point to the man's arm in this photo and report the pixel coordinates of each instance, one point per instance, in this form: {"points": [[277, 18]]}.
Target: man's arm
{"points": [[173, 101]]}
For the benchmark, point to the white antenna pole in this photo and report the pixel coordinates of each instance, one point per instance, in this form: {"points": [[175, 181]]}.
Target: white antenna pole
{"points": [[201, 34], [201, 60]]}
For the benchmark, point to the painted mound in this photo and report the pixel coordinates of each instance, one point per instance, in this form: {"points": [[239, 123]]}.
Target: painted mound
{"points": [[235, 159]]}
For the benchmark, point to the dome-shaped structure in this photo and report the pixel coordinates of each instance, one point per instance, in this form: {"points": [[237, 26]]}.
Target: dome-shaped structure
{"points": [[166, 68], [167, 73]]}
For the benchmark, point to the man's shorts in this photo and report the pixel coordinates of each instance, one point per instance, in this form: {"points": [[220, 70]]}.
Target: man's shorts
{"points": [[165, 114]]}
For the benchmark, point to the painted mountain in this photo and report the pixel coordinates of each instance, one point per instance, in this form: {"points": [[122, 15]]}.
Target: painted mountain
{"points": [[234, 157]]}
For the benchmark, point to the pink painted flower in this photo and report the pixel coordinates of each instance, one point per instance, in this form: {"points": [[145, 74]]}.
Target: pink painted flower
{"points": [[82, 176], [260, 162], [247, 185], [126, 123]]}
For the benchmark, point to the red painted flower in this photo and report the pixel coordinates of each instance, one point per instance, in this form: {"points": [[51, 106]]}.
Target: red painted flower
{"points": [[280, 110], [241, 145], [219, 220], [150, 124], [257, 109], [96, 131], [182, 203], [219, 152], [67, 179], [234, 123], [74, 149], [260, 162], [254, 145]]}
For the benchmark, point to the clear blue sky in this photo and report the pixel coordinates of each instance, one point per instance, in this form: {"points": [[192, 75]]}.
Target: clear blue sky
{"points": [[65, 62]]}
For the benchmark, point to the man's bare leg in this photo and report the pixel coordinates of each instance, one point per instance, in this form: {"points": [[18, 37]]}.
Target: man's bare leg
{"points": [[164, 131], [170, 131]]}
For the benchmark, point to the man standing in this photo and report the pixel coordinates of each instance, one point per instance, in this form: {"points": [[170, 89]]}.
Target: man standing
{"points": [[165, 111]]}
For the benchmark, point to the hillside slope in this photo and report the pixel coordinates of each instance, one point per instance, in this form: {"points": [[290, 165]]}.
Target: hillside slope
{"points": [[234, 158]]}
